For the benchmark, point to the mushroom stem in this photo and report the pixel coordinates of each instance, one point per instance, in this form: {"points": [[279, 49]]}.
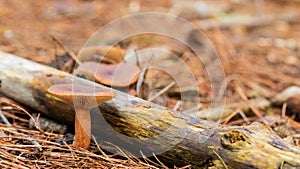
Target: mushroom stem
{"points": [[83, 99], [82, 128]]}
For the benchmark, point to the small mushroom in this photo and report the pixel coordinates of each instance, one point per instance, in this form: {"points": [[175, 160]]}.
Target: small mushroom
{"points": [[118, 75], [102, 53], [83, 98]]}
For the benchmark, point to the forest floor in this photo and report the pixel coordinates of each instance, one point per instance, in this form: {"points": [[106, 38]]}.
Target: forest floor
{"points": [[258, 43]]}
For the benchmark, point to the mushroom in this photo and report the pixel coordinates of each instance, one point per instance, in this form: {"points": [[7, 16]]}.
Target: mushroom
{"points": [[102, 53], [118, 75], [83, 99]]}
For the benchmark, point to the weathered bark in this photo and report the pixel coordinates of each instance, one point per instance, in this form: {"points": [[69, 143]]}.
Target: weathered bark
{"points": [[185, 139]]}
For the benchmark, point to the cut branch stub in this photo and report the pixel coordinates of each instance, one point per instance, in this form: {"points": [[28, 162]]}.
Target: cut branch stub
{"points": [[83, 98], [119, 75]]}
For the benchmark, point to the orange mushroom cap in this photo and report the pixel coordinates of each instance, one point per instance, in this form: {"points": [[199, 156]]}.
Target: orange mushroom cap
{"points": [[111, 53], [119, 75], [81, 96]]}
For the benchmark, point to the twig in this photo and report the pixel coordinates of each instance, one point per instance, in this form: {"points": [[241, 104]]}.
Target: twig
{"points": [[184, 167], [74, 156], [238, 111], [281, 165], [36, 124], [4, 119], [220, 158], [148, 160], [121, 152], [152, 163], [140, 81], [177, 105], [228, 118], [17, 106], [161, 91], [159, 161], [244, 117], [73, 56], [9, 115], [3, 135], [98, 147], [223, 48], [283, 110], [137, 58], [240, 121], [246, 100], [37, 144]]}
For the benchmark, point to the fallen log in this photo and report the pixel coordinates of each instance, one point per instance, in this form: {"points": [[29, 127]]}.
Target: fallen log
{"points": [[140, 126]]}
